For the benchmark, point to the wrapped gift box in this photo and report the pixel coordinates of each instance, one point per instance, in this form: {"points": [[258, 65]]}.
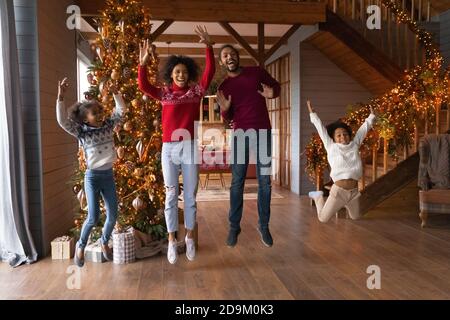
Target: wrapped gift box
{"points": [[93, 252], [124, 248], [63, 248]]}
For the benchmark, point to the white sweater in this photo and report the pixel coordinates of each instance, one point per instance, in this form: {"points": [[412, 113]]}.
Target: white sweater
{"points": [[344, 159]]}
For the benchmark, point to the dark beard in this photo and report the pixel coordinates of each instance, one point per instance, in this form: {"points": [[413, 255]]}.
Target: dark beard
{"points": [[236, 67]]}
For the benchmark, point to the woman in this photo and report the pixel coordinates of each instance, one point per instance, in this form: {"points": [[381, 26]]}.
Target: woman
{"points": [[180, 99]]}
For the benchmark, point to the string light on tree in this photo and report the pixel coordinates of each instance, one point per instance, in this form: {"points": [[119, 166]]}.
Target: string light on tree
{"points": [[122, 26]]}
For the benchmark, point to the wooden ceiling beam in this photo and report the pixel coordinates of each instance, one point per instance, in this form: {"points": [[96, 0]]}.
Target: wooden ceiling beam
{"points": [[201, 62], [261, 51], [228, 28], [163, 27], [245, 11], [191, 51], [192, 38]]}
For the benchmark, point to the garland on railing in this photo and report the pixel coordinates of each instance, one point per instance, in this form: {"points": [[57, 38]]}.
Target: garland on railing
{"points": [[417, 96]]}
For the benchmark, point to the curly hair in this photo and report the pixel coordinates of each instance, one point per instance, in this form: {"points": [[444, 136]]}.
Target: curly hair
{"points": [[78, 111], [173, 60], [331, 128]]}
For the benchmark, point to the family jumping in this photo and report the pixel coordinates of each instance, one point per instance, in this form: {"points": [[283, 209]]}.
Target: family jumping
{"points": [[242, 99]]}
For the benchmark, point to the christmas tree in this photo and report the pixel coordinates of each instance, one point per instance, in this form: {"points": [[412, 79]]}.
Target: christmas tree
{"points": [[139, 183]]}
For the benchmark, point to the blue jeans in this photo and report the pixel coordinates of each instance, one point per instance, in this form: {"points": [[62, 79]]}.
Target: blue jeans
{"points": [[99, 183], [178, 156], [241, 156]]}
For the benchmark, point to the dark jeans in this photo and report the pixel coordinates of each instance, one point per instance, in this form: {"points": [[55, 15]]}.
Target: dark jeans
{"points": [[242, 150]]}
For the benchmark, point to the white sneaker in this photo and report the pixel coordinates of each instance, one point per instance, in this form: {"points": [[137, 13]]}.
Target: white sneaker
{"points": [[190, 248], [172, 253], [315, 194]]}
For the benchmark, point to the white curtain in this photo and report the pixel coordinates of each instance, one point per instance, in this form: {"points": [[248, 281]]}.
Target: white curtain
{"points": [[16, 244]]}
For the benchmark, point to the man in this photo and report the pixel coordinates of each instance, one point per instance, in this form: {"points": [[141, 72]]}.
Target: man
{"points": [[242, 99]]}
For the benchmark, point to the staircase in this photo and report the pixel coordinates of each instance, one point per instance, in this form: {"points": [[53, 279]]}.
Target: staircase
{"points": [[355, 55], [383, 176], [374, 58], [377, 59]]}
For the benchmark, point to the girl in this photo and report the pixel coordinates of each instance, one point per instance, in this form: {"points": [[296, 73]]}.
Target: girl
{"points": [[346, 166], [181, 102], [86, 121]]}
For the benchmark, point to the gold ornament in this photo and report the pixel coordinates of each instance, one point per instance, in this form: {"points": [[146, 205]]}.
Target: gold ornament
{"points": [[128, 126], [135, 103], [120, 152], [155, 123], [115, 75]]}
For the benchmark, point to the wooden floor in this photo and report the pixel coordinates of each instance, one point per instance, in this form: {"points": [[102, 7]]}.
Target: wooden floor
{"points": [[309, 260]]}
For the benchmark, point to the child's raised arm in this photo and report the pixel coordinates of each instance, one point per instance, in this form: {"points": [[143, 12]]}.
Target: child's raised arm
{"points": [[62, 116], [321, 130], [365, 127]]}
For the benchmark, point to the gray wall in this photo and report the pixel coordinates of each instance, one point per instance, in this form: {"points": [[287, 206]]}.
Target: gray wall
{"points": [[330, 90], [25, 15], [315, 77], [47, 53], [57, 59], [293, 48], [445, 36]]}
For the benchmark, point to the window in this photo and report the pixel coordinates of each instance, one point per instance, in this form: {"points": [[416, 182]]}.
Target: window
{"points": [[280, 116], [82, 70]]}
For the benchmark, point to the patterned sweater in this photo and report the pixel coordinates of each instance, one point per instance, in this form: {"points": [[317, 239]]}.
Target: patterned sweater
{"points": [[180, 106], [97, 142]]}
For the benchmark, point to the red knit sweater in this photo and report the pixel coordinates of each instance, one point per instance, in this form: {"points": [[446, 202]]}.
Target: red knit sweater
{"points": [[248, 108], [181, 106]]}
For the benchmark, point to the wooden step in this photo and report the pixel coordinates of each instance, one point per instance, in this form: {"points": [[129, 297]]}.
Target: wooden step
{"points": [[389, 183]]}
